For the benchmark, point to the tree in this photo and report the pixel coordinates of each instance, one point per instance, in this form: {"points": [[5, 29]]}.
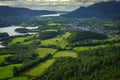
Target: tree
{"points": [[15, 71]]}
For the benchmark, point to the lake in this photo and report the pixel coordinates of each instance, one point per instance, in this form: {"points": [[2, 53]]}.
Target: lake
{"points": [[50, 15], [11, 30], [1, 46]]}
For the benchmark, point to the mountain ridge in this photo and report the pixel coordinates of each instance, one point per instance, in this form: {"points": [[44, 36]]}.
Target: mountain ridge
{"points": [[99, 10], [6, 11]]}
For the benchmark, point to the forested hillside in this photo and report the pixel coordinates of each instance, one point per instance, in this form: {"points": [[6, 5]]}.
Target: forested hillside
{"points": [[97, 64], [6, 11]]}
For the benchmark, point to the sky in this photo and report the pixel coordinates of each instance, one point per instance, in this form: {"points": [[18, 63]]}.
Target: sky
{"points": [[54, 5]]}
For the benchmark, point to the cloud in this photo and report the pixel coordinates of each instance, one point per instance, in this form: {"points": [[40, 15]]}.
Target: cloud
{"points": [[66, 5], [8, 0]]}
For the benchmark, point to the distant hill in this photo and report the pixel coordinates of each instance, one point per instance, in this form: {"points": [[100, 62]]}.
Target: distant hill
{"points": [[109, 9], [6, 11]]}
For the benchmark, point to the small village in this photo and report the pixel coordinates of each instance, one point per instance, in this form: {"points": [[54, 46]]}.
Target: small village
{"points": [[76, 27]]}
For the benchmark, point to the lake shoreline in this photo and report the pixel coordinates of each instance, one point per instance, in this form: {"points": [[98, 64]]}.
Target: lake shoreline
{"points": [[11, 31], [1, 46]]}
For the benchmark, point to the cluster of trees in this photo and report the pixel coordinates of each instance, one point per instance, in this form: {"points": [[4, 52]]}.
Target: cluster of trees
{"points": [[22, 21], [22, 30], [9, 21], [34, 22], [51, 46], [83, 35], [96, 64], [48, 34], [117, 24], [92, 43], [8, 39], [2, 64], [3, 35], [21, 52]]}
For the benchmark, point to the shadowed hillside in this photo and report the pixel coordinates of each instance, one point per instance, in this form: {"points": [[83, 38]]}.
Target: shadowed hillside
{"points": [[6, 11], [99, 10]]}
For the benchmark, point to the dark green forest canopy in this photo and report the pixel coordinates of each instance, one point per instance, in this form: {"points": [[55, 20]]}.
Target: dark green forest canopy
{"points": [[98, 64], [84, 35]]}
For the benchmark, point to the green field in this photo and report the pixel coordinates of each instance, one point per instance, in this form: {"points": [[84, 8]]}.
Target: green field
{"points": [[53, 24], [50, 30], [58, 41], [66, 54], [19, 78], [117, 44], [2, 58], [44, 51], [20, 39], [112, 38], [7, 71], [88, 47], [39, 69]]}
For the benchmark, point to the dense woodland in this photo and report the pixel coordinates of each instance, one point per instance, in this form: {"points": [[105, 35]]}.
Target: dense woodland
{"points": [[84, 35], [96, 64]]}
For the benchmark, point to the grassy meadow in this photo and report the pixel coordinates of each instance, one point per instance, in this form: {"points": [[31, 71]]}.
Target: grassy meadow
{"points": [[20, 39], [65, 54], [19, 78], [59, 41], [50, 30], [42, 52], [7, 71], [2, 58], [88, 47], [40, 68], [51, 24]]}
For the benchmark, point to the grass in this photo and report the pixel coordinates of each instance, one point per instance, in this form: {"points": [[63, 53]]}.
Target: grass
{"points": [[20, 39], [44, 51], [53, 24], [39, 69], [7, 71], [2, 58], [19, 78], [112, 38], [48, 30], [66, 54], [58, 41], [117, 44], [88, 47]]}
